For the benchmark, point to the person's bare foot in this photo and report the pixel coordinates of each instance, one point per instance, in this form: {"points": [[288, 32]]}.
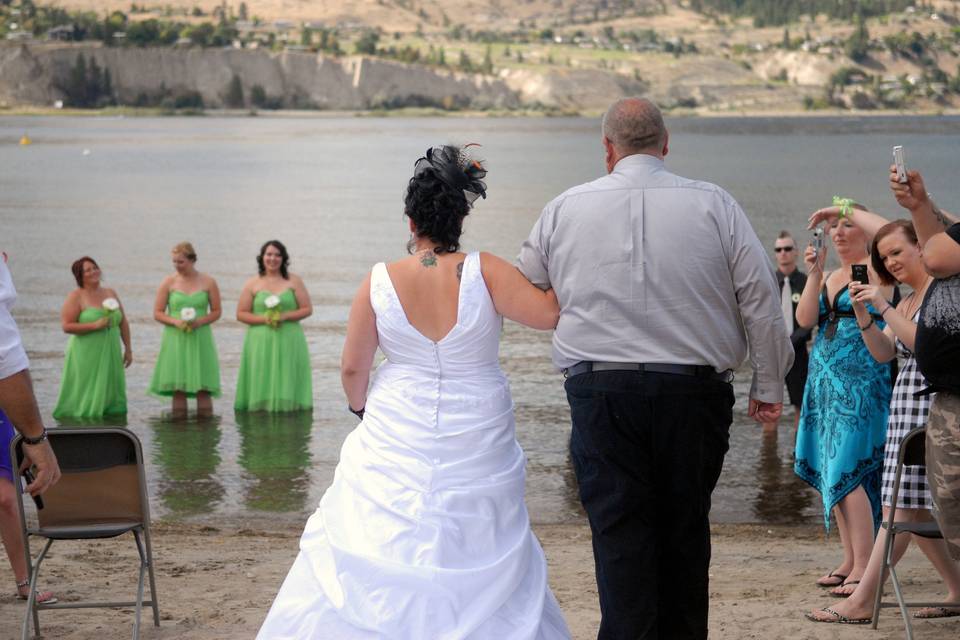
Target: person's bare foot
{"points": [[847, 608], [846, 588]]}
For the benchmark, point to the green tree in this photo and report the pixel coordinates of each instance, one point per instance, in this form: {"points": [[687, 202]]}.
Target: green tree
{"points": [[258, 97], [487, 65], [242, 15], [367, 43], [857, 46], [465, 64], [234, 94], [116, 22], [306, 37]]}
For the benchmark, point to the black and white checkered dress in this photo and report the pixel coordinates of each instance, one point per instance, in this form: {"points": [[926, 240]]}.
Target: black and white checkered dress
{"points": [[906, 413]]}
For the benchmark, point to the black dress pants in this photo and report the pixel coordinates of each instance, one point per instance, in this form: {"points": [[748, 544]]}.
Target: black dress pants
{"points": [[647, 449]]}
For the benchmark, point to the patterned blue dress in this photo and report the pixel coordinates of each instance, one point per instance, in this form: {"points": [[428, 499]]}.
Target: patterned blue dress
{"points": [[843, 421]]}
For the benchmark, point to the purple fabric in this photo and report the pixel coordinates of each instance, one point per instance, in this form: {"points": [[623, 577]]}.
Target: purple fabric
{"points": [[6, 436]]}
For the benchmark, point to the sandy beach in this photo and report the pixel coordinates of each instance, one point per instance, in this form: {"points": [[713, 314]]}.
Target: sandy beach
{"points": [[219, 581]]}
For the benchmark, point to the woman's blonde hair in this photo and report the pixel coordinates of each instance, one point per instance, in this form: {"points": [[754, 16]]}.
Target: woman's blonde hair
{"points": [[186, 250]]}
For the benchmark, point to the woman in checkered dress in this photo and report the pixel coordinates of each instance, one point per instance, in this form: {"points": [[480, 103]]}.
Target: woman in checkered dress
{"points": [[895, 257]]}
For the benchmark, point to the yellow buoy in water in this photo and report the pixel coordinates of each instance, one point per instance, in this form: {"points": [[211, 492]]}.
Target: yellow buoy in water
{"points": [[25, 140]]}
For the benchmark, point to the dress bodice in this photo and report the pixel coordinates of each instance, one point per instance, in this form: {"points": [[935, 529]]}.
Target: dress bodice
{"points": [[472, 344], [178, 300], [288, 301]]}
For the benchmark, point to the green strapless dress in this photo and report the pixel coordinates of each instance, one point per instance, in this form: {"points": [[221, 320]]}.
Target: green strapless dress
{"points": [[188, 360], [93, 384], [275, 372]]}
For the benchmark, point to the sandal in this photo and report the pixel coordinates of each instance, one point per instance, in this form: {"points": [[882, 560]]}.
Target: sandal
{"points": [[830, 585], [836, 618], [43, 597], [843, 594], [936, 612]]}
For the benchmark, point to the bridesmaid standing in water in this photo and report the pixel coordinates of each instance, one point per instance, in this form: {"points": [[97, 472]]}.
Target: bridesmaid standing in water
{"points": [[275, 366], [188, 302], [93, 383]]}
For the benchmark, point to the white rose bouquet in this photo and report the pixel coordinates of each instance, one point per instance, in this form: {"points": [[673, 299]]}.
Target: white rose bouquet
{"points": [[188, 315], [273, 313], [112, 307]]}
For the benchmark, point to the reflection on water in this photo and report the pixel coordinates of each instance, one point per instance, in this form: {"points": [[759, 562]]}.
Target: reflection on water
{"points": [[782, 498], [188, 453], [275, 453], [103, 421]]}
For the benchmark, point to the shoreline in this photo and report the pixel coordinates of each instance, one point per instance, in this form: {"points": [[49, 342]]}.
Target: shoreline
{"points": [[218, 582], [425, 112]]}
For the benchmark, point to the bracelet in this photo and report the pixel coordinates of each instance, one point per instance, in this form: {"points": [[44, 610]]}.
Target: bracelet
{"points": [[40, 438], [867, 326], [885, 309], [358, 412]]}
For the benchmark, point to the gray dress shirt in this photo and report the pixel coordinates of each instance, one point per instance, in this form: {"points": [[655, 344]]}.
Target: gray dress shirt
{"points": [[651, 267]]}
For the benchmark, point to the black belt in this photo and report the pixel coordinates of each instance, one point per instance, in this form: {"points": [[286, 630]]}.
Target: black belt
{"points": [[699, 371]]}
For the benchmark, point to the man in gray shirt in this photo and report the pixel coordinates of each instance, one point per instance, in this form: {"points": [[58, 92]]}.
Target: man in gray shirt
{"points": [[664, 289]]}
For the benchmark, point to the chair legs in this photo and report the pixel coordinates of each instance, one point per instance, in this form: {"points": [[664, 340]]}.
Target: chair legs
{"points": [[146, 571], [32, 597], [903, 603]]}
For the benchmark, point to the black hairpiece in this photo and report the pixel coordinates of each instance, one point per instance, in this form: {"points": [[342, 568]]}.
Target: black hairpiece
{"points": [[455, 169]]}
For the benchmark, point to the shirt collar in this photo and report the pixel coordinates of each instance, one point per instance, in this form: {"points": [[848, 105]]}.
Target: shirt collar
{"points": [[638, 160]]}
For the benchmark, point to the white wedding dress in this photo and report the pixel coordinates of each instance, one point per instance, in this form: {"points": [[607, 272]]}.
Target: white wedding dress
{"points": [[424, 534]]}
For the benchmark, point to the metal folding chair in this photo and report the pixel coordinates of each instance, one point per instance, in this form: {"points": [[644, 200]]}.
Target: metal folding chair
{"points": [[101, 494], [912, 452]]}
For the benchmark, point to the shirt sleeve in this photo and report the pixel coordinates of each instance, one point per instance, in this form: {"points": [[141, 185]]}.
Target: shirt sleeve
{"points": [[13, 358], [534, 253], [954, 232], [755, 284]]}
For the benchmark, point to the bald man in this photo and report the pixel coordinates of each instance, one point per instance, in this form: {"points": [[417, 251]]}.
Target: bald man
{"points": [[663, 289]]}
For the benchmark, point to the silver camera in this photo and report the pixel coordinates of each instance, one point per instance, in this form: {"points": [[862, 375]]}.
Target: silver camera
{"points": [[900, 165]]}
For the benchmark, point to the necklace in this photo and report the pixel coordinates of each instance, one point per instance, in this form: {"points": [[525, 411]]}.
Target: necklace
{"points": [[916, 299]]}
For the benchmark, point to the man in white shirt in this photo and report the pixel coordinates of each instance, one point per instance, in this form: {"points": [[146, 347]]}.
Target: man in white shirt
{"points": [[16, 392], [663, 288]]}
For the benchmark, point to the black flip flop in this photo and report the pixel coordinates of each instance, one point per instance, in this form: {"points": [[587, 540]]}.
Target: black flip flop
{"points": [[833, 586], [843, 584]]}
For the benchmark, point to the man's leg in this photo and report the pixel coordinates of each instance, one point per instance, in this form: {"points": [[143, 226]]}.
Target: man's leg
{"points": [[611, 446], [943, 466], [692, 424]]}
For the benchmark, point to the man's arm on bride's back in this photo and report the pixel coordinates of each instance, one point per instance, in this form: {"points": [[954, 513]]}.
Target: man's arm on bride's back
{"points": [[515, 298]]}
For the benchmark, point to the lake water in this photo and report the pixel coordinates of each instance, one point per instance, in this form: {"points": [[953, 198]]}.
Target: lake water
{"points": [[125, 190]]}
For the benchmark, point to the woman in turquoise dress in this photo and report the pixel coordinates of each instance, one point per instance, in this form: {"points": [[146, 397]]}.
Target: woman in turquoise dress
{"points": [[187, 303], [843, 420], [93, 383], [275, 372]]}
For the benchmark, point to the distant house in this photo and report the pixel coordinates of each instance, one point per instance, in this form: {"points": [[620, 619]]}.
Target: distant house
{"points": [[61, 32], [19, 35]]}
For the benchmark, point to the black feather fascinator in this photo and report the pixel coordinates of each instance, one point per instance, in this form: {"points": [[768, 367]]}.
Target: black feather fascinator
{"points": [[455, 168]]}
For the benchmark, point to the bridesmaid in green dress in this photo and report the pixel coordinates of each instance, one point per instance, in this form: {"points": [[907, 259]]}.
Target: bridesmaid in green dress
{"points": [[275, 370], [93, 383], [188, 302]]}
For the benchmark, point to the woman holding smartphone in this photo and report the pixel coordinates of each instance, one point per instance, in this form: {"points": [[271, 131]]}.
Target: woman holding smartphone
{"points": [[843, 420], [896, 257]]}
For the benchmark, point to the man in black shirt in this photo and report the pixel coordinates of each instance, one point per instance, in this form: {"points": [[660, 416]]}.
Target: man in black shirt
{"points": [[937, 349]]}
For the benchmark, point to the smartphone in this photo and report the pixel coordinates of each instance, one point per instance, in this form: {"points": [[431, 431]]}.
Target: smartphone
{"points": [[858, 273], [28, 476], [900, 165], [817, 240]]}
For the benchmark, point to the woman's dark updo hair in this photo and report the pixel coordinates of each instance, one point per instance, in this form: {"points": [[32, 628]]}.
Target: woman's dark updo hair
{"points": [[440, 194], [77, 268], [284, 258]]}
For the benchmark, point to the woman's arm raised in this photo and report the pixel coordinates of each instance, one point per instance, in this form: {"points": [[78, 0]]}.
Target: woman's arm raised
{"points": [[359, 348], [515, 298]]}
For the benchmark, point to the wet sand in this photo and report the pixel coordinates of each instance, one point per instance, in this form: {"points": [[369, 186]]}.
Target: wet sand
{"points": [[219, 581]]}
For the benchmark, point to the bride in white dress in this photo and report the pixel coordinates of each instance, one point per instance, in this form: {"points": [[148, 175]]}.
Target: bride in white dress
{"points": [[424, 534]]}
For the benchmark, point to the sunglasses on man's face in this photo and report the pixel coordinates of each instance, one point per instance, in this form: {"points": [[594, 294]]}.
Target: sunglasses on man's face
{"points": [[779, 249]]}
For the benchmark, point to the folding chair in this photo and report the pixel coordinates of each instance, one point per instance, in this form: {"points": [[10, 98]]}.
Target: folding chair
{"points": [[101, 494], [912, 452]]}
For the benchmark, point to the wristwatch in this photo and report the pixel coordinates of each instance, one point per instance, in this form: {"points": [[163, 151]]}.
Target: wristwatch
{"points": [[40, 438]]}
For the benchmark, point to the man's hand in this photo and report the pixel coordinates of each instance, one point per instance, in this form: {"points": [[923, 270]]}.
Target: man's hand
{"points": [[764, 411], [45, 460]]}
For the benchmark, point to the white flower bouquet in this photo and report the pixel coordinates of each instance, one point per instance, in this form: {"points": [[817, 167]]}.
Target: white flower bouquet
{"points": [[188, 315], [273, 313], [112, 307]]}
